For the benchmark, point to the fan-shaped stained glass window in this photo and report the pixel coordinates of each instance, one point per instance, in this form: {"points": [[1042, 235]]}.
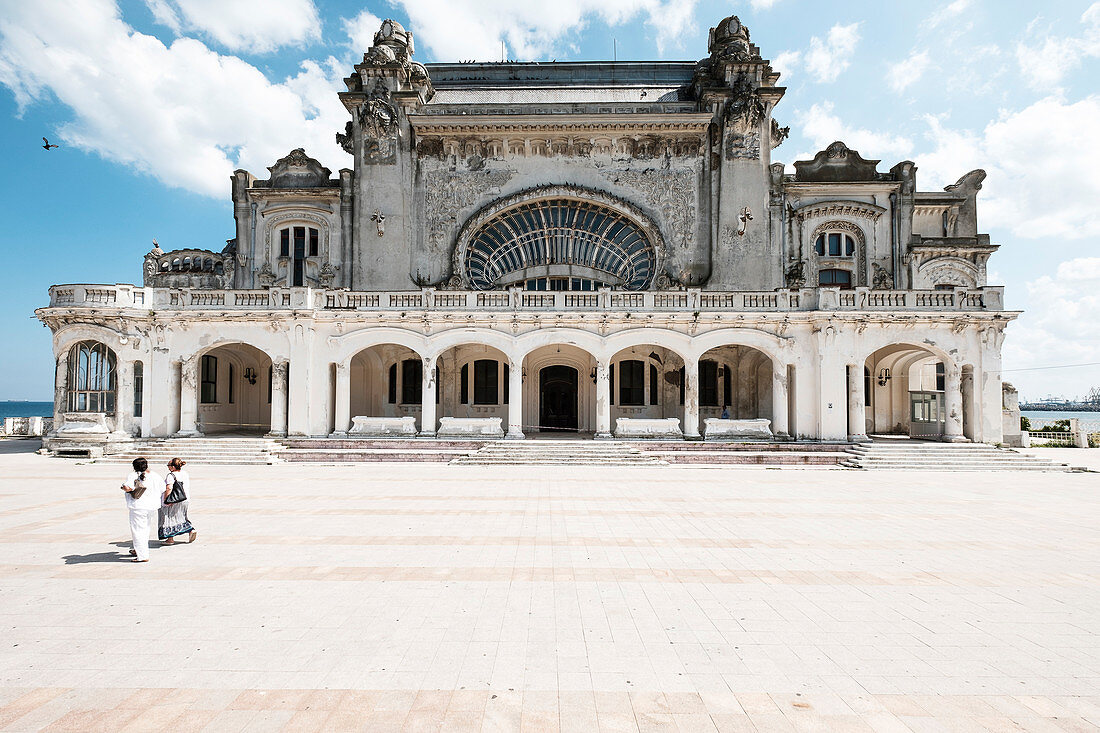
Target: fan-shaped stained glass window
{"points": [[560, 237]]}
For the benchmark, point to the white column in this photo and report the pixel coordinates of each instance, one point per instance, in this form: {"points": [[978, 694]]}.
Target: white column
{"points": [[343, 400], [691, 398], [427, 398], [779, 402], [515, 400], [278, 399], [857, 412], [124, 396], [603, 399], [189, 398], [61, 391], [953, 405]]}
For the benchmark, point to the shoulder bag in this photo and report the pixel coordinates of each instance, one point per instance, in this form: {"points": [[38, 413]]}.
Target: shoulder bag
{"points": [[176, 495]]}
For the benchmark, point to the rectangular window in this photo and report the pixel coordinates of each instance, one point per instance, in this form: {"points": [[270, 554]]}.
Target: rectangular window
{"points": [[208, 387], [299, 269], [681, 385], [654, 385], [485, 382], [834, 245], [412, 381], [392, 396], [941, 377], [231, 391], [312, 242], [708, 383], [611, 383], [284, 243], [464, 385], [270, 382], [631, 382], [437, 391], [505, 386], [139, 387]]}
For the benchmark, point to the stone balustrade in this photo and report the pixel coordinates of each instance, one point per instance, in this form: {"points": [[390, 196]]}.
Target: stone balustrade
{"points": [[428, 299]]}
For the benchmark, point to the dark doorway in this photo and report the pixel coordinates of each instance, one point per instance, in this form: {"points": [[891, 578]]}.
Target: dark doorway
{"points": [[558, 398]]}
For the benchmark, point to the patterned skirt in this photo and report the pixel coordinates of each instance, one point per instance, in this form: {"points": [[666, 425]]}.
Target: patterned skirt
{"points": [[173, 520]]}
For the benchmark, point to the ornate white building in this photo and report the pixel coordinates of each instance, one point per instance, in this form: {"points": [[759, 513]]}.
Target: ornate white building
{"points": [[525, 247]]}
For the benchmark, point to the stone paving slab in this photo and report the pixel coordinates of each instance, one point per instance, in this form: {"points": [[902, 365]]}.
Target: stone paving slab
{"points": [[445, 598]]}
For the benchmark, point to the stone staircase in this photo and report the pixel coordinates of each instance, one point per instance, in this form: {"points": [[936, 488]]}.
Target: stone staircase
{"points": [[559, 452], [208, 451], [928, 456]]}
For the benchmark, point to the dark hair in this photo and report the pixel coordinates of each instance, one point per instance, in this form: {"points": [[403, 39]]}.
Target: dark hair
{"points": [[177, 463], [141, 466]]}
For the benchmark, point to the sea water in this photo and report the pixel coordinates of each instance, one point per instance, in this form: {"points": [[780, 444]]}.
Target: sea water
{"points": [[20, 408], [1090, 421]]}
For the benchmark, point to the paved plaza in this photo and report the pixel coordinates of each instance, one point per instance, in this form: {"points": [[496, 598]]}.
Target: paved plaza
{"points": [[435, 597]]}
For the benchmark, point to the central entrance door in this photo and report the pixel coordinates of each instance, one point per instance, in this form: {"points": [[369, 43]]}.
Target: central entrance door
{"points": [[557, 398]]}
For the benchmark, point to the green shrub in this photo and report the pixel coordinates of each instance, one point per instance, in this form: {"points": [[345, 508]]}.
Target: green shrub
{"points": [[1025, 424]]}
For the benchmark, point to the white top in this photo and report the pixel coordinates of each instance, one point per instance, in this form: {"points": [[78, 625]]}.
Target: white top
{"points": [[170, 477], [153, 491]]}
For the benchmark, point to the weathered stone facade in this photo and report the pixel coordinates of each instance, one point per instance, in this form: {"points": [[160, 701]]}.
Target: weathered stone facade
{"points": [[614, 237]]}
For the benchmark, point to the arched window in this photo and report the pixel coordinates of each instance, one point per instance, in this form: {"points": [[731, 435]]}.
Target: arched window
{"points": [[835, 279], [91, 378], [208, 384], [485, 382], [297, 243], [708, 383], [835, 244]]}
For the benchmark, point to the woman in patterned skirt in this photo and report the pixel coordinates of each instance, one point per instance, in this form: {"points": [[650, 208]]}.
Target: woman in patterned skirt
{"points": [[173, 517]]}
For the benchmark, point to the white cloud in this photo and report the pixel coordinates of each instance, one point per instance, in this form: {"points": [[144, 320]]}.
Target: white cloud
{"points": [[762, 4], [170, 111], [948, 12], [361, 30], [473, 29], [821, 126], [1045, 61], [827, 59], [1059, 327], [1035, 158], [258, 26], [908, 71], [786, 63]]}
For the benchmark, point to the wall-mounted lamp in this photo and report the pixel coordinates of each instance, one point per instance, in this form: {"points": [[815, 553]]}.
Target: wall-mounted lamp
{"points": [[656, 357], [721, 371], [250, 375], [883, 377], [592, 375], [523, 372]]}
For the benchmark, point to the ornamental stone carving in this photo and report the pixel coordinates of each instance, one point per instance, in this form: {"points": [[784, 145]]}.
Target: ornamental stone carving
{"points": [[729, 40], [860, 241], [745, 146], [779, 134], [670, 193], [746, 108], [447, 194], [298, 170], [836, 163]]}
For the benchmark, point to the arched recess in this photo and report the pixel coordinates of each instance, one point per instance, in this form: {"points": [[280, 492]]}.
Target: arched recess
{"points": [[561, 231], [125, 352], [907, 391], [946, 273], [236, 383], [559, 390], [386, 380], [474, 381], [855, 262], [736, 381], [646, 380]]}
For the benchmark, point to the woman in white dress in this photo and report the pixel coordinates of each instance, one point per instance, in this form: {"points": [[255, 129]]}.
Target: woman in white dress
{"points": [[143, 499], [173, 517]]}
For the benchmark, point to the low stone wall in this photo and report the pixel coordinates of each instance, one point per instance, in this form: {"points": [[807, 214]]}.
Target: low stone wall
{"points": [[470, 427], [381, 427], [753, 429], [26, 426], [648, 427]]}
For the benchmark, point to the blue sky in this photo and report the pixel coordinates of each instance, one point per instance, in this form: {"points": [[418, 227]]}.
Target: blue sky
{"points": [[154, 102]]}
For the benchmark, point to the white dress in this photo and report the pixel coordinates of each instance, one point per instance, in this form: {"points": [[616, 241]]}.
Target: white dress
{"points": [[173, 517]]}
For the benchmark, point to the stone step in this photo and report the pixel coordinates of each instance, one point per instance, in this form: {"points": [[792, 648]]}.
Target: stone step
{"points": [[943, 457]]}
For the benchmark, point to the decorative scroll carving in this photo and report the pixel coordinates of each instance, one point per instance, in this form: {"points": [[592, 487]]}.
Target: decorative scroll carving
{"points": [[779, 134], [796, 274], [670, 192], [327, 274], [346, 139], [447, 193], [746, 108]]}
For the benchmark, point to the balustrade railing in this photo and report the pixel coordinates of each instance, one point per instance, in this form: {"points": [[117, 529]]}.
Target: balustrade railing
{"points": [[428, 299]]}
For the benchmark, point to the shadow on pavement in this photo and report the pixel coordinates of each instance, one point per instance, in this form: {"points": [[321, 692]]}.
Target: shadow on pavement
{"points": [[25, 445], [96, 557]]}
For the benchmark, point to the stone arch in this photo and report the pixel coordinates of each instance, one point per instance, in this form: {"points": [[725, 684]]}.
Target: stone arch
{"points": [[647, 231], [947, 271], [350, 344]]}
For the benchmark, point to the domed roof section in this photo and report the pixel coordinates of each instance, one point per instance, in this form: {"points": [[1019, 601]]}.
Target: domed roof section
{"points": [[394, 35]]}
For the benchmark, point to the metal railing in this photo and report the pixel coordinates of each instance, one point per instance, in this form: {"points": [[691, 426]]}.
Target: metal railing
{"points": [[429, 299]]}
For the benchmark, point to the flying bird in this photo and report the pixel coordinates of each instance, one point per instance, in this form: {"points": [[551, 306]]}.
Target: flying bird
{"points": [[47, 146]]}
